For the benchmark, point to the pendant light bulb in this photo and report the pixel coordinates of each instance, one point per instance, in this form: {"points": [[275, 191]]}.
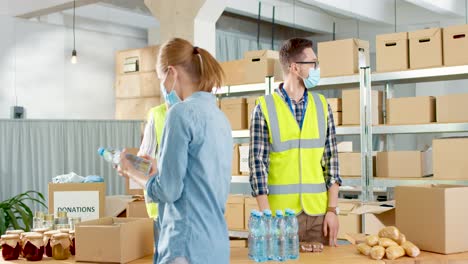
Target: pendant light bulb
{"points": [[73, 58]]}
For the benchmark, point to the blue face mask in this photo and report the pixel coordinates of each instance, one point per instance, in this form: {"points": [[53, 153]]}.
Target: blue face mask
{"points": [[171, 98], [313, 79]]}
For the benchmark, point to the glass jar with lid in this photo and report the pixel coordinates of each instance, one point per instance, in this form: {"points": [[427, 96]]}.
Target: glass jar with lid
{"points": [[33, 248], [49, 221], [38, 219], [18, 232], [62, 218], [23, 239], [72, 221], [11, 247], [72, 240], [60, 244], [47, 238]]}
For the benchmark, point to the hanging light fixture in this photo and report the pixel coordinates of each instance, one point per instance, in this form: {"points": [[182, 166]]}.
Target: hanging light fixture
{"points": [[73, 58]]}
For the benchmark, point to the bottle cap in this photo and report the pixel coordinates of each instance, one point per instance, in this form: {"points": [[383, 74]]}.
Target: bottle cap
{"points": [[101, 151], [253, 212], [267, 212], [279, 213], [290, 212]]}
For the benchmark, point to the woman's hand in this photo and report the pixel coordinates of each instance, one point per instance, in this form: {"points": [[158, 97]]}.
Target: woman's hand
{"points": [[126, 169], [154, 166]]}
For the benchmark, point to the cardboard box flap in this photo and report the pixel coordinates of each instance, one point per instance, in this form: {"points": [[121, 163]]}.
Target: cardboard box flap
{"points": [[115, 205], [235, 199], [424, 35], [394, 37], [374, 208], [254, 54]]}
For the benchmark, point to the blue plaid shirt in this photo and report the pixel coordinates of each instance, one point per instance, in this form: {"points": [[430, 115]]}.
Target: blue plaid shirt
{"points": [[259, 154]]}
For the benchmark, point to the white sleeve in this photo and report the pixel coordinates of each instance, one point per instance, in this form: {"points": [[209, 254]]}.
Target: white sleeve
{"points": [[149, 143]]}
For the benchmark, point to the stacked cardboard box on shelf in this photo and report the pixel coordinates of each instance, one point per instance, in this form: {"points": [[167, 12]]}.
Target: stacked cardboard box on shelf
{"points": [[336, 107], [235, 110], [350, 164], [450, 158], [351, 107], [455, 45], [238, 210], [235, 160], [404, 164], [392, 52], [137, 86], [425, 48], [411, 110], [452, 108], [251, 103]]}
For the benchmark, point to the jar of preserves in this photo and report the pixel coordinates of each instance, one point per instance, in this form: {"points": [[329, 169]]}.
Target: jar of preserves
{"points": [[22, 240], [60, 244], [33, 248], [47, 246], [18, 232], [11, 247], [72, 245]]}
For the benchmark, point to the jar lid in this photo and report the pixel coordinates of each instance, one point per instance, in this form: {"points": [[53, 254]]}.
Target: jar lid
{"points": [[64, 230], [72, 232], [10, 236], [27, 233], [17, 232], [34, 236], [41, 230], [51, 232], [60, 235], [61, 214]]}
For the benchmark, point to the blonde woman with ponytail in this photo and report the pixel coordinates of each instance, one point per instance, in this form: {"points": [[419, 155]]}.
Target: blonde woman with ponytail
{"points": [[191, 182]]}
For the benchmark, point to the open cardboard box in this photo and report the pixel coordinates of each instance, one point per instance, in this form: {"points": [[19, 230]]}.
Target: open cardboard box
{"points": [[115, 240]]}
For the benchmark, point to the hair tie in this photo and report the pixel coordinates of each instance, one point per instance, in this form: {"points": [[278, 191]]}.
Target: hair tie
{"points": [[195, 50]]}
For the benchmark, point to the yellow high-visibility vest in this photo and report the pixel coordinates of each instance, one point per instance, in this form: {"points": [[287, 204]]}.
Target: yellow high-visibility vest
{"points": [[295, 178], [159, 117]]}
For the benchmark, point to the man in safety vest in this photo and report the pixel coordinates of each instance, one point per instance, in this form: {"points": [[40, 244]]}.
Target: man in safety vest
{"points": [[293, 156], [148, 148]]}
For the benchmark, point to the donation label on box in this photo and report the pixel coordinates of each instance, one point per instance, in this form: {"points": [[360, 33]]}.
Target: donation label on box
{"points": [[84, 204]]}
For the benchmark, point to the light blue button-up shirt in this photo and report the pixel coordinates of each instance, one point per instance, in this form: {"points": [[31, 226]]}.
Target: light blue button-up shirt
{"points": [[192, 183]]}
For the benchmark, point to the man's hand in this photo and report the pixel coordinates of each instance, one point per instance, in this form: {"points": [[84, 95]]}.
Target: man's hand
{"points": [[331, 227]]}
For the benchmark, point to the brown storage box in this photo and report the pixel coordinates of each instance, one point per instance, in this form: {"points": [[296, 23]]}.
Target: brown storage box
{"points": [[411, 110], [235, 160], [251, 103], [137, 85], [452, 108], [250, 204], [350, 164], [135, 108], [236, 112], [147, 58], [349, 223], [404, 164], [340, 57], [338, 118], [392, 52], [137, 209], [335, 104], [235, 212], [433, 217], [118, 240], [376, 215], [425, 48], [238, 243], [85, 200], [234, 72], [351, 107], [260, 64], [450, 158], [455, 45]]}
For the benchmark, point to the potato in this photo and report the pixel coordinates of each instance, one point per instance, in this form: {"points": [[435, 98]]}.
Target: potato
{"points": [[377, 252], [394, 252], [401, 239], [372, 240], [410, 249], [387, 242], [364, 249], [390, 232]]}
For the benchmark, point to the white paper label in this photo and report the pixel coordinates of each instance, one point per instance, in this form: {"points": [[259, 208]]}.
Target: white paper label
{"points": [[84, 204], [244, 159]]}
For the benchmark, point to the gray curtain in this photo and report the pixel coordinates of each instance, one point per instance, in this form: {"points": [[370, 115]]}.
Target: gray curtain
{"points": [[32, 152]]}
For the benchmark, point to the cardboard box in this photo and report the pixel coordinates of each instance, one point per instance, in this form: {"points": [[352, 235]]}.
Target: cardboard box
{"points": [[341, 57], [260, 64], [455, 45], [250, 203], [433, 217], [251, 103], [238, 243], [135, 108], [236, 112], [450, 158], [234, 72], [85, 200], [345, 146], [350, 164], [404, 164], [351, 107], [146, 59], [376, 215], [235, 160], [235, 212], [118, 240], [137, 85], [137, 209], [244, 159], [425, 48], [338, 118], [452, 108], [116, 205], [349, 223], [411, 110], [335, 104], [392, 52]]}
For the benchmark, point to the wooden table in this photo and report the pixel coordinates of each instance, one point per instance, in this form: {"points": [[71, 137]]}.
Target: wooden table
{"points": [[342, 254]]}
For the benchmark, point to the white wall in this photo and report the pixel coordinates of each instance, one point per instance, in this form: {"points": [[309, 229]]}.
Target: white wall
{"points": [[35, 61]]}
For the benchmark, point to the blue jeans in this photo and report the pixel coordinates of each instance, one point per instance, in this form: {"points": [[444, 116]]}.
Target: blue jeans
{"points": [[156, 237]]}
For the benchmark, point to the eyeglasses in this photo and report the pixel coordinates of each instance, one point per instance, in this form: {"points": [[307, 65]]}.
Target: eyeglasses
{"points": [[315, 63]]}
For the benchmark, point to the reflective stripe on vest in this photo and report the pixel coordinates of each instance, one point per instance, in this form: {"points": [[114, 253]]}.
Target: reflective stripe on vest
{"points": [[296, 179]]}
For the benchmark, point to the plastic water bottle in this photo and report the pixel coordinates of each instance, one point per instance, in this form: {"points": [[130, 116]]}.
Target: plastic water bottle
{"points": [[292, 235], [113, 156], [268, 221], [252, 227], [279, 238]]}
